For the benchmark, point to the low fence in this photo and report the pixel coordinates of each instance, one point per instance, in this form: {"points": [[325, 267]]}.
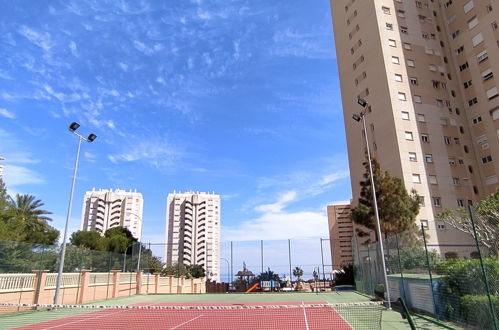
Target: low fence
{"points": [[86, 286]]}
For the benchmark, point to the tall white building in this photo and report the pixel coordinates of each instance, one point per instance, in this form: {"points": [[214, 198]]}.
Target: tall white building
{"points": [[193, 231], [104, 209]]}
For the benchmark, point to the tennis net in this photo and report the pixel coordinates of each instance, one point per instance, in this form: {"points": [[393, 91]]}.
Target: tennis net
{"points": [[365, 315]]}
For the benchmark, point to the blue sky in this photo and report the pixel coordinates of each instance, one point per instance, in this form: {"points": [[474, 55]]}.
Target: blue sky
{"points": [[237, 97]]}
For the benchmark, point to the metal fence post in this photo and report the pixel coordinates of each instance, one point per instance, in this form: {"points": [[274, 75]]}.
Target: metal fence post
{"points": [[487, 288], [231, 263], [289, 258], [400, 265], [429, 272], [261, 252], [322, 262]]}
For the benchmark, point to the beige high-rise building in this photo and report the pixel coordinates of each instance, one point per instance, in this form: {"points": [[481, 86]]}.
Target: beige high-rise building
{"points": [[428, 70], [193, 231], [341, 230], [104, 209]]}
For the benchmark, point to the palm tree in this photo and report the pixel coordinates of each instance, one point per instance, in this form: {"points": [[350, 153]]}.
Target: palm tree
{"points": [[28, 208], [298, 272]]}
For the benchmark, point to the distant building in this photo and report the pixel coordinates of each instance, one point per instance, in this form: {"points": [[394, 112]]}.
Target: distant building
{"points": [[104, 208], [1, 168], [341, 231], [193, 231]]}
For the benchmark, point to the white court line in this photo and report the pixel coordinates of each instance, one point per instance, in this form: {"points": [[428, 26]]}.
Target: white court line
{"points": [[341, 316], [182, 324], [85, 319], [305, 315]]}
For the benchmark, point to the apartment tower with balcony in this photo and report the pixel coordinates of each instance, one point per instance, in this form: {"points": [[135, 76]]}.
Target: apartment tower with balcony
{"points": [[193, 231], [104, 209], [427, 69]]}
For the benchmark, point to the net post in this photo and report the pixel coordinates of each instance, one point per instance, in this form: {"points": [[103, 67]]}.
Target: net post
{"points": [[486, 281], [429, 272]]}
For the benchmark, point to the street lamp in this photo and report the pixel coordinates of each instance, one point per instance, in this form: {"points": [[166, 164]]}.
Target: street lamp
{"points": [[91, 137], [358, 117]]}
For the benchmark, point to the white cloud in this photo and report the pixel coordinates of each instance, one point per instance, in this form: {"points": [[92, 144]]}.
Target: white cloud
{"points": [[15, 175], [6, 113], [74, 49], [282, 225], [123, 66], [42, 40], [90, 156], [277, 207]]}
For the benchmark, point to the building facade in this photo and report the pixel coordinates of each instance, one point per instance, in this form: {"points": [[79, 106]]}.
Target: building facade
{"points": [[341, 230], [104, 209], [427, 69], [193, 231]]}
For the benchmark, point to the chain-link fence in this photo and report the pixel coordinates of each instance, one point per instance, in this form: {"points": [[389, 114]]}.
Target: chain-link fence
{"points": [[456, 282]]}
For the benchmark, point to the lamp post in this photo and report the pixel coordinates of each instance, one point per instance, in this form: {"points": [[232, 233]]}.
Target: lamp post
{"points": [[228, 270], [91, 137], [358, 117]]}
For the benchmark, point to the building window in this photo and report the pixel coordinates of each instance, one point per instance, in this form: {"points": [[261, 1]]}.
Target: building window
{"points": [[417, 99], [487, 74], [440, 103], [494, 25], [404, 29], [424, 223], [405, 115], [463, 66], [386, 10], [455, 181], [413, 81], [459, 50], [407, 46], [467, 84], [400, 13], [492, 93], [476, 120], [468, 6], [408, 136], [421, 117], [455, 34], [425, 138], [401, 96], [432, 179], [416, 178], [441, 225], [472, 22], [473, 101], [447, 140], [413, 157], [392, 43], [428, 158], [457, 141], [486, 159], [398, 77], [451, 161], [476, 40], [436, 201], [460, 203], [389, 26], [411, 63], [395, 60]]}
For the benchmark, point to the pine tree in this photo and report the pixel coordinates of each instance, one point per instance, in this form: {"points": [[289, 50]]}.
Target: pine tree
{"points": [[397, 208]]}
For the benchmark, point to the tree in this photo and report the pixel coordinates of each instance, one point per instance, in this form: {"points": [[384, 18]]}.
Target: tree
{"points": [[176, 269], [298, 272], [88, 239], [196, 271], [28, 208], [486, 221], [397, 208]]}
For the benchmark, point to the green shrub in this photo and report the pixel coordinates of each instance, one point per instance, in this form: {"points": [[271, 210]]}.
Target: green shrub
{"points": [[476, 310]]}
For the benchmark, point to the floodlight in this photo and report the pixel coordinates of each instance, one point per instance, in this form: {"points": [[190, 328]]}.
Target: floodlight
{"points": [[91, 137], [362, 102], [356, 117], [74, 126]]}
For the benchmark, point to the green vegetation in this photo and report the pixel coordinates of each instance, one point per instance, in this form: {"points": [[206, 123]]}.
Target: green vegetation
{"points": [[486, 221], [298, 273], [180, 269], [397, 208]]}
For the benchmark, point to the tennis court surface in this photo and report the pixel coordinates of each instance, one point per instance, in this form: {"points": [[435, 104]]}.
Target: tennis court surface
{"points": [[291, 316]]}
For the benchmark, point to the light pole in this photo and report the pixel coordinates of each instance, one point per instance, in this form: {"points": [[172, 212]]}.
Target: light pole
{"points": [[228, 270], [91, 137], [358, 117]]}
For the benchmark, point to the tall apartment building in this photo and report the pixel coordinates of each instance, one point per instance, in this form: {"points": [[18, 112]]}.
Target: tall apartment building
{"points": [[341, 230], [193, 231], [104, 209], [428, 70], [1, 168]]}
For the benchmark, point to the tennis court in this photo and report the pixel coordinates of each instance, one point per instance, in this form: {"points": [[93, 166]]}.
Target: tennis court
{"points": [[200, 312]]}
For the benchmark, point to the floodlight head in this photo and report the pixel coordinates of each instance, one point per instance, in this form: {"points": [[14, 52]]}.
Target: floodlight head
{"points": [[91, 137], [74, 126], [356, 117], [362, 102]]}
